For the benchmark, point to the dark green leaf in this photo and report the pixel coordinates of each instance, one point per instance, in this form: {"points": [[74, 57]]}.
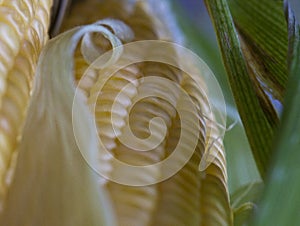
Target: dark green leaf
{"points": [[259, 128], [263, 33], [281, 201]]}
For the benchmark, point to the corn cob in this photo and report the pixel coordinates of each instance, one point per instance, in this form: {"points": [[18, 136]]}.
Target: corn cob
{"points": [[179, 194], [189, 197], [23, 27]]}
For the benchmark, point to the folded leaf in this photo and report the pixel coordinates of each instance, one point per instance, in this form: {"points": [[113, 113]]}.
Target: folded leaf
{"points": [[262, 27], [215, 206]]}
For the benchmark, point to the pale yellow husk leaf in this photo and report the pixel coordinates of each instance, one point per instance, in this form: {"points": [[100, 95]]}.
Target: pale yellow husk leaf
{"points": [[52, 184], [66, 191]]}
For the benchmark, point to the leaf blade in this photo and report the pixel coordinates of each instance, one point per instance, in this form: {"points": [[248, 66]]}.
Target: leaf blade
{"points": [[258, 129], [286, 162]]}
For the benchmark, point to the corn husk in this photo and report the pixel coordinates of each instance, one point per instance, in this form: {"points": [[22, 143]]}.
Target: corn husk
{"points": [[63, 189], [52, 184]]}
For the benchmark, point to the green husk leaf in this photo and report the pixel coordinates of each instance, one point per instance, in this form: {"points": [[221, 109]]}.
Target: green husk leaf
{"points": [[242, 213], [281, 201], [263, 33], [248, 193], [257, 123], [244, 201], [52, 184]]}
